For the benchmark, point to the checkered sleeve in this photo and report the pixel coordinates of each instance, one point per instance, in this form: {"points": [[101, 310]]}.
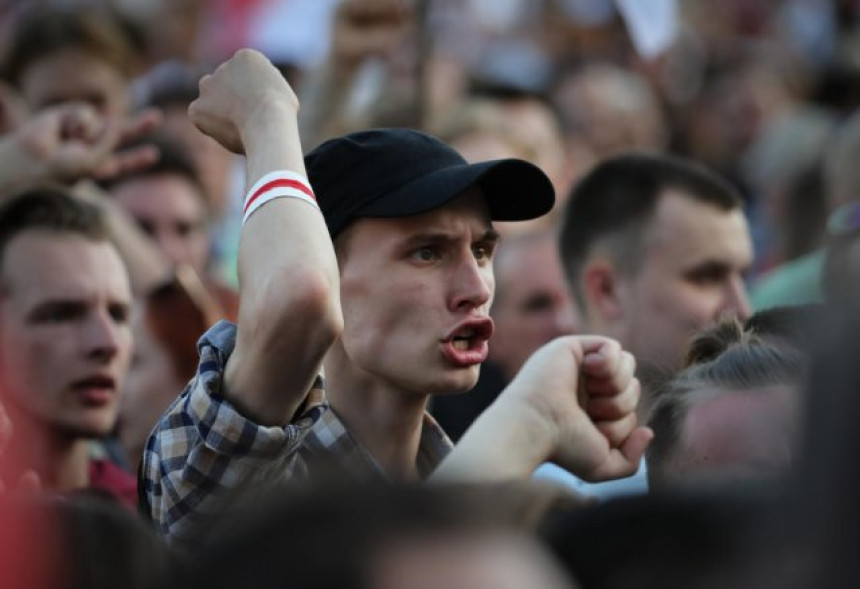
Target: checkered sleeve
{"points": [[203, 449]]}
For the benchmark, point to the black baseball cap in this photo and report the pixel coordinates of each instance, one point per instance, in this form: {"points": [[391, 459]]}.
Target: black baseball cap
{"points": [[402, 172]]}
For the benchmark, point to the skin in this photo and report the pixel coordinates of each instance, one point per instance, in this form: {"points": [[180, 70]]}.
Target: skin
{"points": [[738, 435], [64, 320], [72, 141], [407, 283], [533, 304], [171, 210], [695, 258], [64, 350], [46, 82]]}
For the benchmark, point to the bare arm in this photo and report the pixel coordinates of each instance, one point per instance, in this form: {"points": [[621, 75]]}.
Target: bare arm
{"points": [[573, 402], [289, 314], [361, 30]]}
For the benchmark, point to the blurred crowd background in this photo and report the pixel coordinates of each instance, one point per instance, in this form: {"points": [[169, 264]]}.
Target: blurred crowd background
{"points": [[755, 90], [751, 88]]}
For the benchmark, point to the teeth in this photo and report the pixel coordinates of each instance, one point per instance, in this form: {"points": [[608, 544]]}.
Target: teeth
{"points": [[461, 344]]}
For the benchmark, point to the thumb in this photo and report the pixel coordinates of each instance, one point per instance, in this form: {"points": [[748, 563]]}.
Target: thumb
{"points": [[633, 448]]}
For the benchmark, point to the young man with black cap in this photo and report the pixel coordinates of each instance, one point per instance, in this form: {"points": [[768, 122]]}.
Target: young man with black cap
{"points": [[399, 312]]}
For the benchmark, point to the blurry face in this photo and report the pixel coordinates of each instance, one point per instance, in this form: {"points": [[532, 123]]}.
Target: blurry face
{"points": [[533, 305], [151, 386], [692, 273], [73, 75], [170, 210], [64, 337], [416, 293], [467, 562], [738, 436]]}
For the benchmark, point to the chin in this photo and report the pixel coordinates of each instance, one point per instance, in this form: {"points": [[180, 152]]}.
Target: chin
{"points": [[90, 427], [455, 383]]}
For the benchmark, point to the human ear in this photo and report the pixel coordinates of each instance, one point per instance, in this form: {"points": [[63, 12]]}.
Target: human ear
{"points": [[600, 286]]}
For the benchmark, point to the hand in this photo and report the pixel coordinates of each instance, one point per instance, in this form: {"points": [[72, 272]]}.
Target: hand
{"points": [[245, 93], [367, 28], [583, 392], [29, 481], [72, 141]]}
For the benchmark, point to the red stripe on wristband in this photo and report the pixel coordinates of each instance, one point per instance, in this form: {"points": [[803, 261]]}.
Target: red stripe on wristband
{"points": [[280, 183]]}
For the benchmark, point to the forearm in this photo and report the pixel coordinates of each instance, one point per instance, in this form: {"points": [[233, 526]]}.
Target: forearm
{"points": [[324, 96], [289, 312], [507, 441]]}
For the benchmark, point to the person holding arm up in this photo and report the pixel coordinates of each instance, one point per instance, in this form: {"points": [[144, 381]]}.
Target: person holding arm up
{"points": [[390, 288]]}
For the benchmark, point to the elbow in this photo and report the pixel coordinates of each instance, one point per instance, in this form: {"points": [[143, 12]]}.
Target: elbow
{"points": [[303, 304], [317, 302]]}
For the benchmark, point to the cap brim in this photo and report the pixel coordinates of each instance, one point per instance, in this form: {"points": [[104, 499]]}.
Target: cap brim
{"points": [[515, 190]]}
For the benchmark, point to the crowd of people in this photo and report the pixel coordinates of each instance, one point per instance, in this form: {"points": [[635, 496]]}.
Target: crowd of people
{"points": [[398, 294]]}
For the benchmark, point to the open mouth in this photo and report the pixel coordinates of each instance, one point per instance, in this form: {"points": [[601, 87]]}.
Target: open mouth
{"points": [[470, 333], [467, 345], [95, 390]]}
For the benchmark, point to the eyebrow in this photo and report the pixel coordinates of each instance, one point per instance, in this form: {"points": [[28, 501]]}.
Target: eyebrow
{"points": [[77, 306], [490, 235]]}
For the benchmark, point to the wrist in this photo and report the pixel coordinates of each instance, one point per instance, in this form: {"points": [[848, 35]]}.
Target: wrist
{"points": [[267, 120], [533, 437]]}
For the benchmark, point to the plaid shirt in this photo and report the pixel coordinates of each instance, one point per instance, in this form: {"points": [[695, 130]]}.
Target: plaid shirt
{"points": [[202, 449]]}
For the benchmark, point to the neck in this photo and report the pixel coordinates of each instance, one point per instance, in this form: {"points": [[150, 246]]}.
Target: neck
{"points": [[385, 419], [60, 460]]}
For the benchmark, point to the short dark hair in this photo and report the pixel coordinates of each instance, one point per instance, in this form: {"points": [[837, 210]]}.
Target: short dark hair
{"points": [[52, 209], [616, 200], [726, 356], [44, 31]]}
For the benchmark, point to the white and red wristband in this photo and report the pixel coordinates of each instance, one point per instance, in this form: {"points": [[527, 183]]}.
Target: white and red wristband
{"points": [[280, 184]]}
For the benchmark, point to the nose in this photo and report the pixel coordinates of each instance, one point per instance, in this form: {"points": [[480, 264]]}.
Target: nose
{"points": [[737, 301], [101, 336], [471, 285]]}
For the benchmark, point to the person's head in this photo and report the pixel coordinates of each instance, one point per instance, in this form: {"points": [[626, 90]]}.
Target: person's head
{"points": [[793, 326], [63, 55], [104, 545], [65, 342], [382, 537], [532, 303], [658, 540], [412, 227], [655, 248], [172, 89], [165, 357], [167, 201], [615, 110], [731, 415]]}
